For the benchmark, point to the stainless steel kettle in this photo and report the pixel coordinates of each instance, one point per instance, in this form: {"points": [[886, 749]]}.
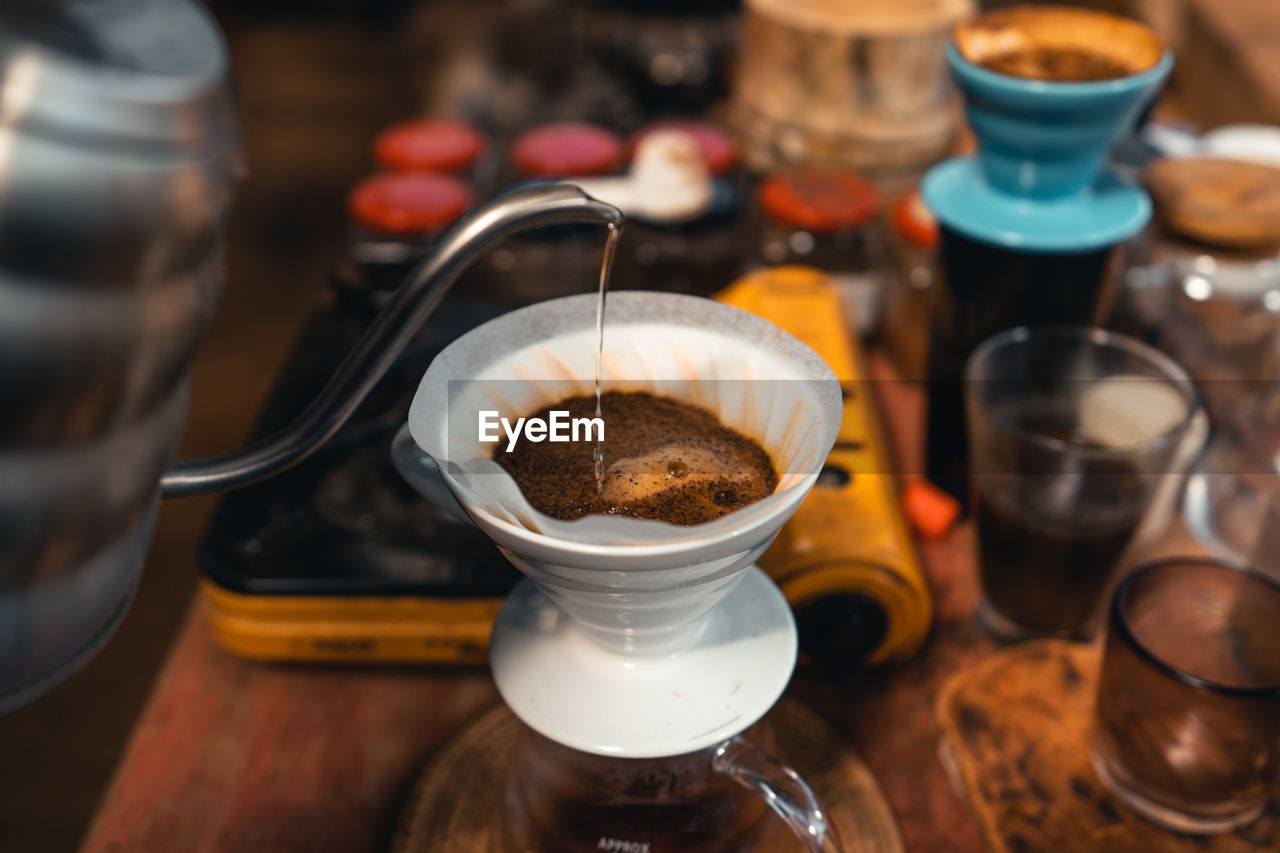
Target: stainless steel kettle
{"points": [[119, 149]]}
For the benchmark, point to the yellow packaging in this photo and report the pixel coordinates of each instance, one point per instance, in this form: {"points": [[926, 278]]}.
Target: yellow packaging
{"points": [[383, 629], [849, 536]]}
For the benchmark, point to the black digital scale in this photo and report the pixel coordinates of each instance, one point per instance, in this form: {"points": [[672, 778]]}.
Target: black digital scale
{"points": [[339, 559]]}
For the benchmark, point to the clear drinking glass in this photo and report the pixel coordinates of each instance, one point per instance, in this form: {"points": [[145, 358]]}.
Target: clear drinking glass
{"points": [[1187, 723], [1071, 432]]}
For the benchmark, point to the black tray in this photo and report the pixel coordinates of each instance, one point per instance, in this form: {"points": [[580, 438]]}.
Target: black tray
{"points": [[344, 522]]}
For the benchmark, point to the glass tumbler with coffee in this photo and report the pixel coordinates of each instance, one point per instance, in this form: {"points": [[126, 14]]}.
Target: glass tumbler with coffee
{"points": [[1071, 429], [1187, 722]]}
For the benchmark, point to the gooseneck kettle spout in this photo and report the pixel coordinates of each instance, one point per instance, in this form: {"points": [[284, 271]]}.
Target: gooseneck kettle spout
{"points": [[411, 304]]}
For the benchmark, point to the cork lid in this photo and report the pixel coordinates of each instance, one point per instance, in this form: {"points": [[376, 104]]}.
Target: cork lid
{"points": [[1234, 204]]}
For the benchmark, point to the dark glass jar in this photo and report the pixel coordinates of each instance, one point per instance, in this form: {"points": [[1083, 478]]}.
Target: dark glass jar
{"points": [[825, 217], [396, 218], [666, 55], [555, 260], [983, 289], [699, 256]]}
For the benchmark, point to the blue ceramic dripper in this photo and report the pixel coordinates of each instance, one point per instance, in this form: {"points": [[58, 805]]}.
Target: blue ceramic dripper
{"points": [[1038, 182], [1029, 224]]}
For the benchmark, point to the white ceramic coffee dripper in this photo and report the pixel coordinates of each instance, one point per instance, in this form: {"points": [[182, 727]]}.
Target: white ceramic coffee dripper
{"points": [[631, 638]]}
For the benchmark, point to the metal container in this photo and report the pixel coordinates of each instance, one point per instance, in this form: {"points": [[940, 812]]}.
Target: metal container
{"points": [[118, 149]]}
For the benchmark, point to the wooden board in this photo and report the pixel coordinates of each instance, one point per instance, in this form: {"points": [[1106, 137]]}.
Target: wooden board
{"points": [[234, 756], [1016, 738], [451, 811]]}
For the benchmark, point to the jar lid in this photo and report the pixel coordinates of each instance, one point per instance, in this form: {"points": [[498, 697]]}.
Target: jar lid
{"points": [[818, 199], [430, 145], [913, 220], [1257, 143], [1233, 204], [719, 151], [566, 149], [408, 204]]}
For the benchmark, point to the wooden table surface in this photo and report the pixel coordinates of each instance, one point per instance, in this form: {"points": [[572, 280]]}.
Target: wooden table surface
{"points": [[233, 755]]}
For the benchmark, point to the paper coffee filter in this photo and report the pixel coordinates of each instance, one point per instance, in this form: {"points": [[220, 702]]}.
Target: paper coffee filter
{"points": [[752, 375]]}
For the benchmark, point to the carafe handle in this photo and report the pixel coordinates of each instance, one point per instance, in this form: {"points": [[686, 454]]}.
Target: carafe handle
{"points": [[782, 789]]}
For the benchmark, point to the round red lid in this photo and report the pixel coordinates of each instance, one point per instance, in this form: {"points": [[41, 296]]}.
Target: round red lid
{"points": [[408, 203], [817, 199], [566, 149], [914, 221], [432, 145], [719, 151]]}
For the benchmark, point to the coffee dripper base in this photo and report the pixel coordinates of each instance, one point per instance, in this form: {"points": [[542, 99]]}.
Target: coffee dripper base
{"points": [[563, 684]]}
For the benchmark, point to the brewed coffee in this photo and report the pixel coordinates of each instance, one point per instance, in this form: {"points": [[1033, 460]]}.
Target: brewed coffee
{"points": [[1048, 541], [1045, 577], [663, 459], [1058, 64]]}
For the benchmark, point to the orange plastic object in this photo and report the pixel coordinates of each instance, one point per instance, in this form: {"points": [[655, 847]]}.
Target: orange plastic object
{"points": [[816, 199], [914, 221], [931, 511]]}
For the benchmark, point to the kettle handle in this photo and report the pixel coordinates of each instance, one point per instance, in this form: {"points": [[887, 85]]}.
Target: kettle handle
{"points": [[781, 788], [412, 303]]}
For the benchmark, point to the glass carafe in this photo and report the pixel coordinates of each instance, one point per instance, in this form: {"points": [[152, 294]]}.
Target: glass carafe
{"points": [[730, 798]]}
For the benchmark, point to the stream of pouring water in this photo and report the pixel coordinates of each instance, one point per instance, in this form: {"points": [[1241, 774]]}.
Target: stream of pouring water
{"points": [[610, 246]]}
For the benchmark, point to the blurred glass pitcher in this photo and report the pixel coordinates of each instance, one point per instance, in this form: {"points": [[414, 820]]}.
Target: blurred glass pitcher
{"points": [[730, 798]]}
